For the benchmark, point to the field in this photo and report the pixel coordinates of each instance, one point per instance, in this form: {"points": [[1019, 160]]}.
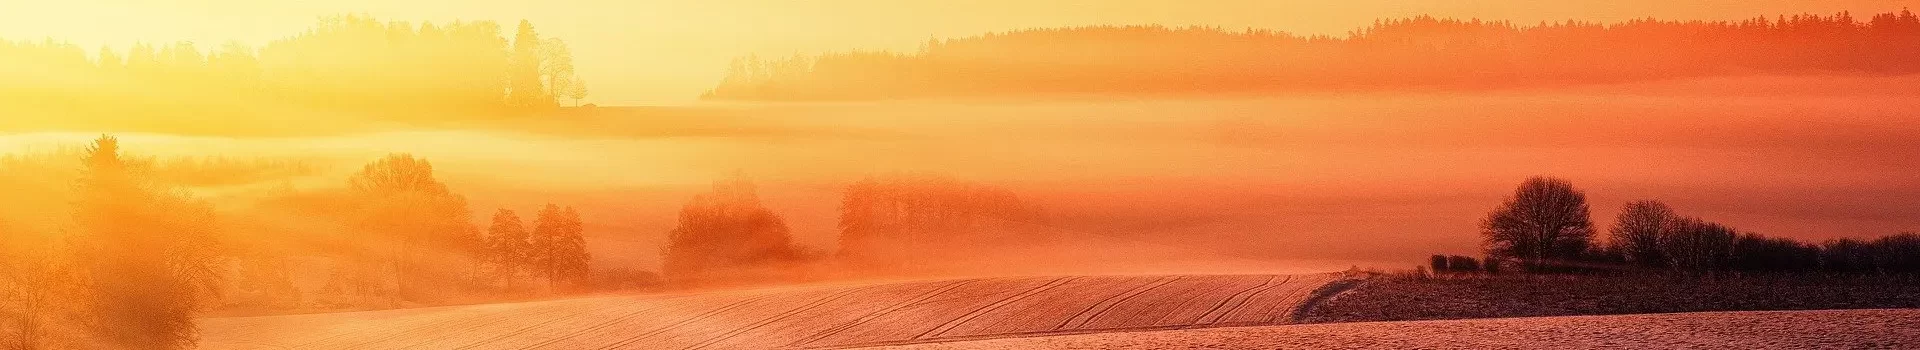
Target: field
{"points": [[822, 316], [1826, 329], [1400, 299]]}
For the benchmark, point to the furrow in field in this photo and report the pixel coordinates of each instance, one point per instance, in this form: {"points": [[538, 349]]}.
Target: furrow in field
{"points": [[782, 317], [868, 316], [923, 317], [447, 338], [689, 334], [1220, 312], [835, 316], [612, 311], [1079, 321], [656, 328], [341, 330], [1047, 308], [1272, 304], [983, 310], [479, 316], [1178, 303]]}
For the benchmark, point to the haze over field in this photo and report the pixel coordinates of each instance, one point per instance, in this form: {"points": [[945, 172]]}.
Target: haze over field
{"points": [[1353, 179], [844, 173]]}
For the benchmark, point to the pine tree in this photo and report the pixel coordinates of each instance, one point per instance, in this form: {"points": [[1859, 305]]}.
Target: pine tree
{"points": [[148, 254], [507, 247], [571, 260], [524, 86]]}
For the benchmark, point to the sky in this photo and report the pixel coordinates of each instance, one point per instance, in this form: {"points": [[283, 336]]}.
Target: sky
{"points": [[667, 52]]}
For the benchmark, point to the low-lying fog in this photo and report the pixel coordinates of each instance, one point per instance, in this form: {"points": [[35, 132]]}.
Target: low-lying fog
{"points": [[1304, 183]]}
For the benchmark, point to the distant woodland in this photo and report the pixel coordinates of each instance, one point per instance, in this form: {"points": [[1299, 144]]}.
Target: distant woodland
{"points": [[1413, 53], [346, 63]]}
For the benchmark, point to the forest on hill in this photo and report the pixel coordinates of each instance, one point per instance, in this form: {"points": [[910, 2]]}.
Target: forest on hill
{"points": [[350, 64], [1412, 53]]}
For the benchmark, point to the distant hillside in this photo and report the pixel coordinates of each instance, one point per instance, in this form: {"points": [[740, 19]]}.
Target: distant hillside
{"points": [[1421, 52]]}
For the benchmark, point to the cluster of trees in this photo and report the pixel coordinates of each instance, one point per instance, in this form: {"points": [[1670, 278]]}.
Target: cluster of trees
{"points": [[727, 231], [414, 240], [1413, 52], [554, 250], [1545, 226], [130, 270], [138, 257], [345, 63], [894, 219], [884, 221], [1441, 264], [1649, 234]]}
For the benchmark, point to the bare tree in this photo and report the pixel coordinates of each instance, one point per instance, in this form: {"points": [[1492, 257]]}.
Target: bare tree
{"points": [[507, 247], [1698, 245], [1545, 220], [1637, 231], [39, 289]]}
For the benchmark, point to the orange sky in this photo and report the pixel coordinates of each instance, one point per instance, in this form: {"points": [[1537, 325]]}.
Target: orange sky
{"points": [[654, 51]]}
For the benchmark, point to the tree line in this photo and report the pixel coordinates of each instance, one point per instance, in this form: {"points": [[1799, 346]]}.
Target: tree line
{"points": [[348, 63], [1392, 54], [138, 257], [885, 222], [554, 250], [1545, 226]]}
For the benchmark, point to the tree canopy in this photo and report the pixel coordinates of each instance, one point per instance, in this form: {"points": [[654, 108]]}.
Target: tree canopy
{"points": [[1545, 221], [726, 229]]}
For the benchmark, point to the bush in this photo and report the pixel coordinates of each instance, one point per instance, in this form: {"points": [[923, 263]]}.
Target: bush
{"points": [[1462, 264]]}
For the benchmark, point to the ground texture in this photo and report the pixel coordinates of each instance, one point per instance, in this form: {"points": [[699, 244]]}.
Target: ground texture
{"points": [[838, 316], [1401, 298], [1824, 329]]}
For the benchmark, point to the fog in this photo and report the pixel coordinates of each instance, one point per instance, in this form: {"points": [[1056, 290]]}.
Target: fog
{"points": [[1316, 182]]}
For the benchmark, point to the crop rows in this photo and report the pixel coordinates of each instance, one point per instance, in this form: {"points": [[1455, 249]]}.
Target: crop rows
{"points": [[798, 317]]}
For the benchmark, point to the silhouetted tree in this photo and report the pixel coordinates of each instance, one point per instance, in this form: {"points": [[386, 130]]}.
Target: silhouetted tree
{"points": [[556, 64], [904, 215], [1897, 254], [577, 90], [560, 247], [509, 250], [427, 230], [1698, 246], [1756, 253], [524, 86], [1437, 263], [1545, 220], [1462, 264], [726, 229], [1637, 232], [148, 254], [1847, 255]]}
